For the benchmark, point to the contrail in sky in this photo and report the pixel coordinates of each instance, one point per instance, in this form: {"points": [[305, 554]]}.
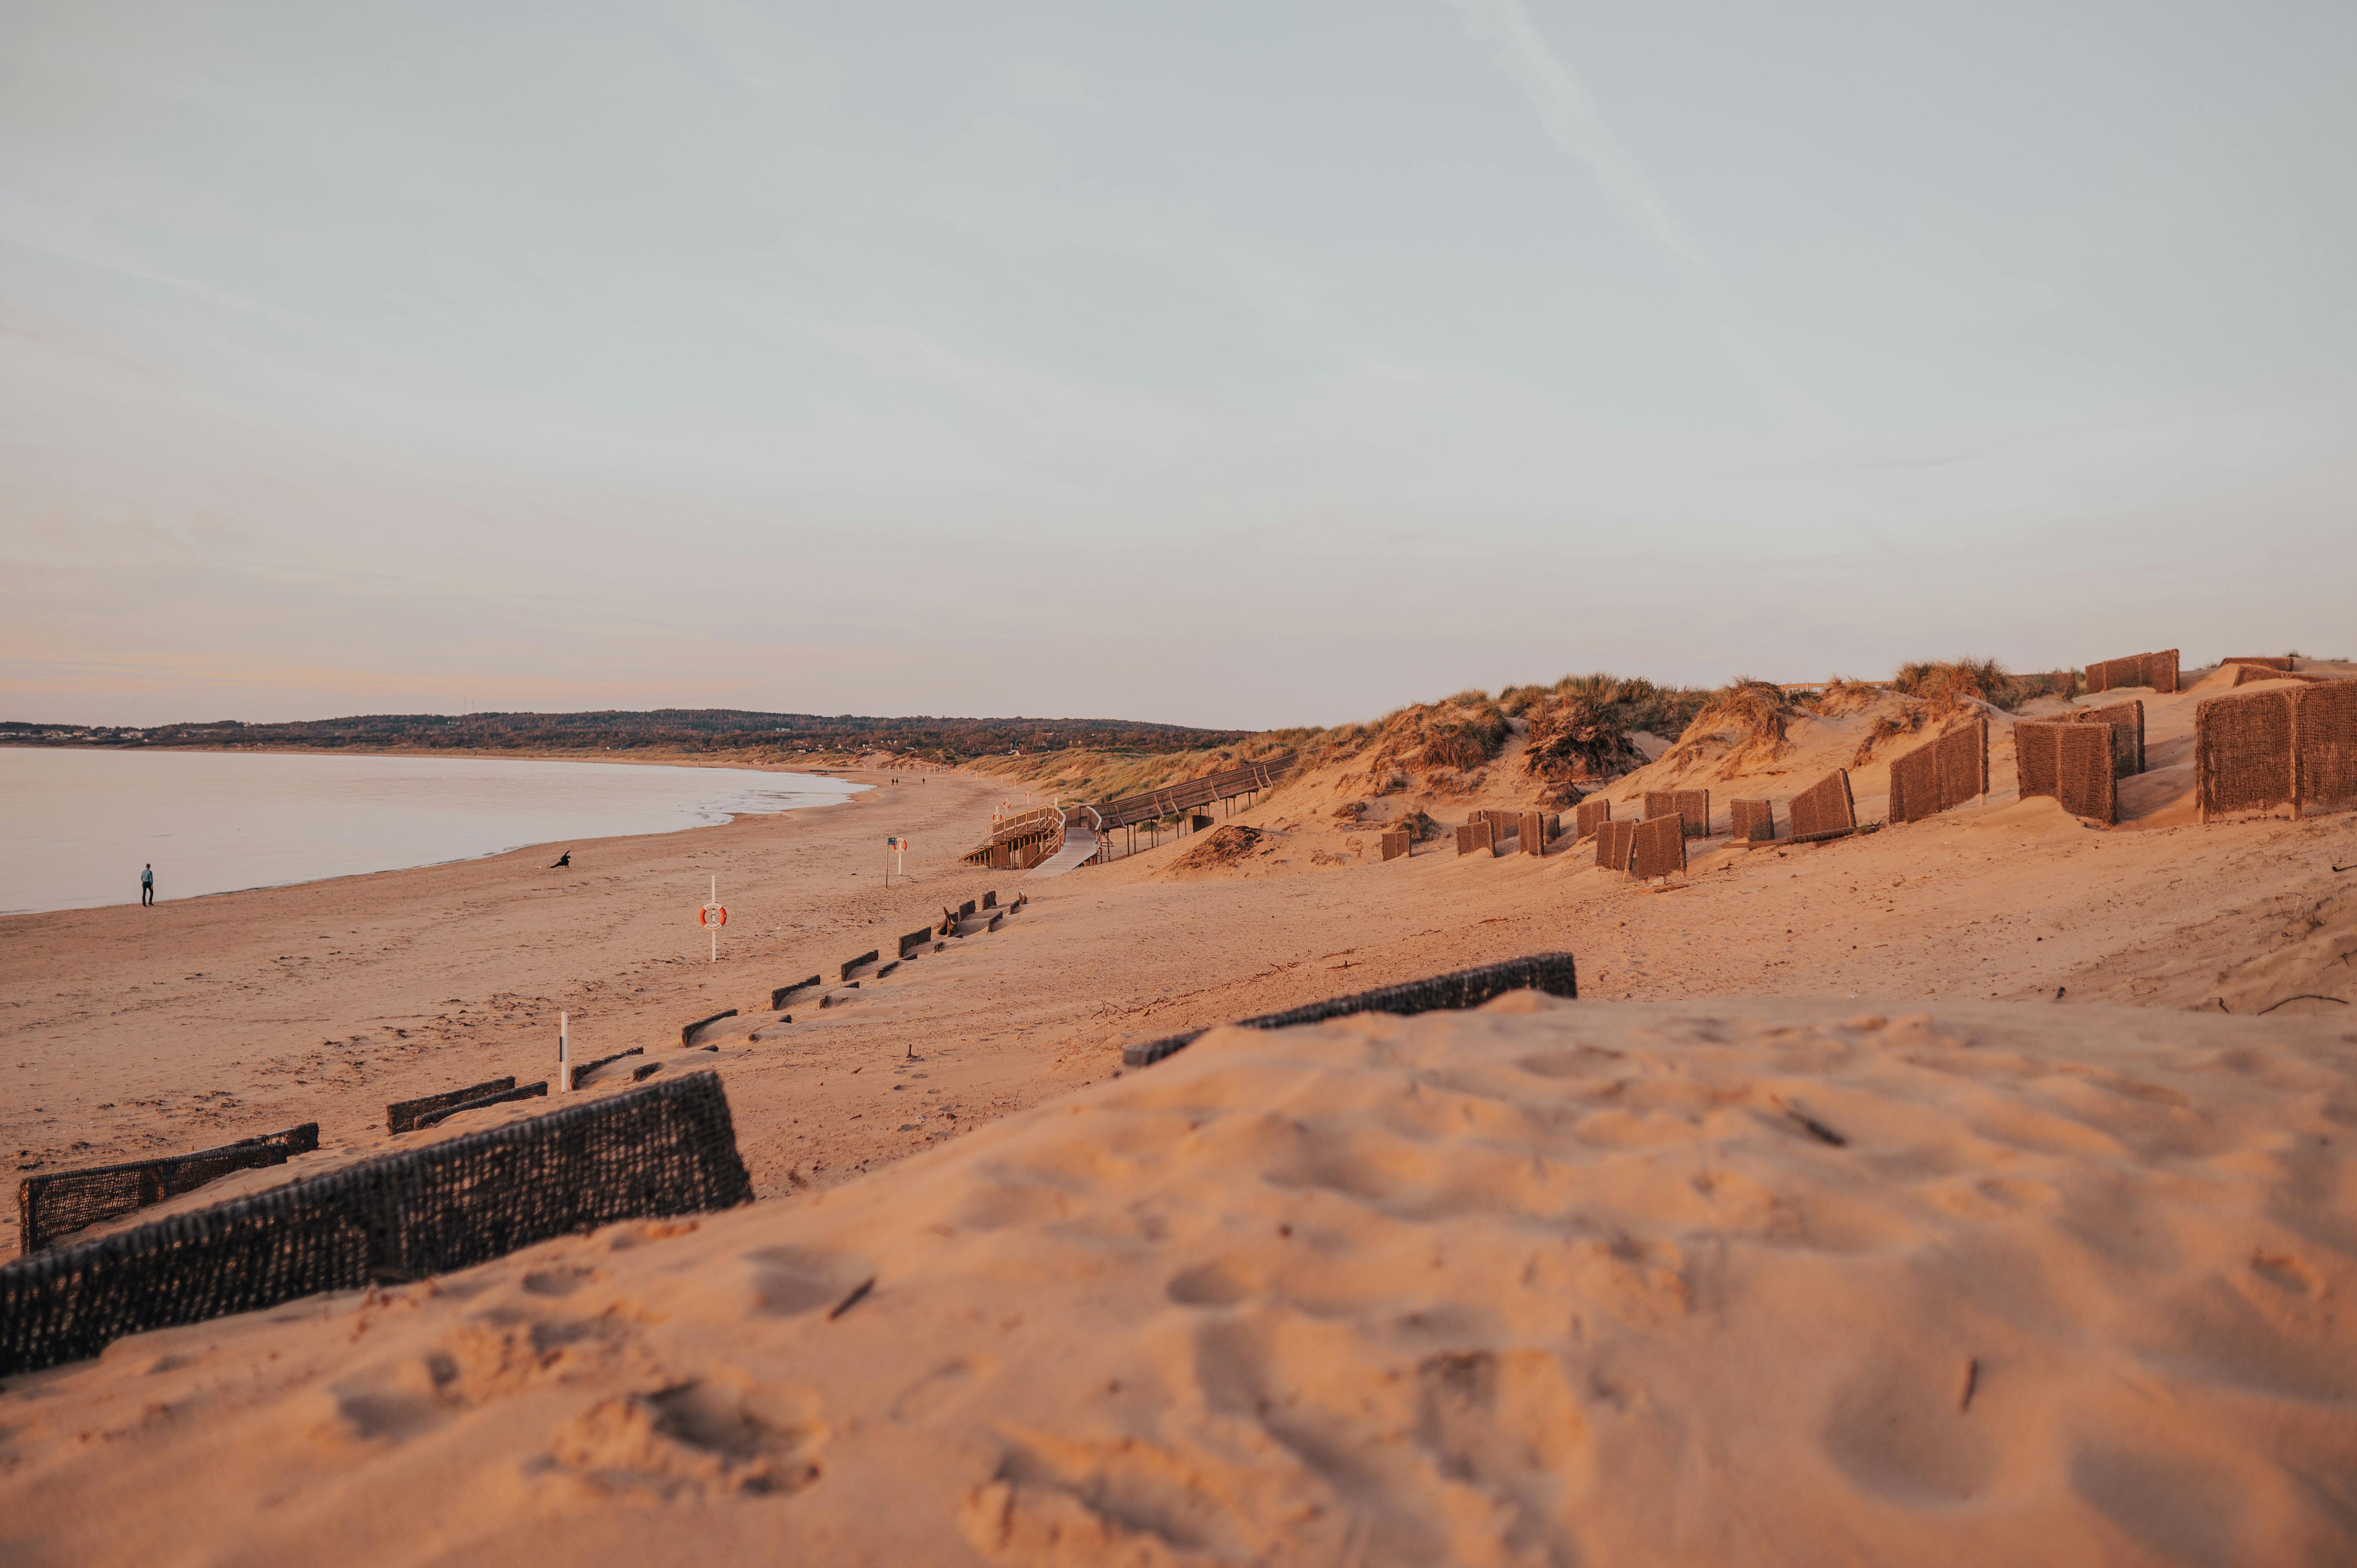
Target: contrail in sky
{"points": [[1568, 114]]}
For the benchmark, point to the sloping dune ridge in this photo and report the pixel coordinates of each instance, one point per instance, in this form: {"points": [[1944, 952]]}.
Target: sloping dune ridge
{"points": [[1712, 1282]]}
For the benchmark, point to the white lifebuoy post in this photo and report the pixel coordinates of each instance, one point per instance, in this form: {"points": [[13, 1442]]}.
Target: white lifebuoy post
{"points": [[712, 916]]}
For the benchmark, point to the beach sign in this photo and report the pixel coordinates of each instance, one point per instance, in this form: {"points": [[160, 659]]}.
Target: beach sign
{"points": [[896, 857], [712, 916]]}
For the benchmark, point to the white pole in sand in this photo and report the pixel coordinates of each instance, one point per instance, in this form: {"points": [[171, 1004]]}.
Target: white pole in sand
{"points": [[563, 1054], [716, 929]]}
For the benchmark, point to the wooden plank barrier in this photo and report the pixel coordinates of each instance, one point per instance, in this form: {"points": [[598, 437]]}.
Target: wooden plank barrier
{"points": [[687, 1031], [778, 997]]}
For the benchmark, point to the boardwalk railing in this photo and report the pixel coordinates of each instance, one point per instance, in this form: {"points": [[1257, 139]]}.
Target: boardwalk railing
{"points": [[1010, 838]]}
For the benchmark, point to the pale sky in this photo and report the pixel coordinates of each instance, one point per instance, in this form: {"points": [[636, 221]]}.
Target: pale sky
{"points": [[1215, 363]]}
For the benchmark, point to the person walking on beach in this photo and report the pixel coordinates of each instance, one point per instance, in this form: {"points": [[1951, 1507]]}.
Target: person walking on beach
{"points": [[148, 885]]}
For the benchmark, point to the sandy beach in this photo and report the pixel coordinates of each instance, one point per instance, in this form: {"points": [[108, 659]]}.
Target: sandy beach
{"points": [[1553, 1282]]}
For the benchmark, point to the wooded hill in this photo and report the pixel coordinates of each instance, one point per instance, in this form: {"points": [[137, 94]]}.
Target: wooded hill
{"points": [[664, 729]]}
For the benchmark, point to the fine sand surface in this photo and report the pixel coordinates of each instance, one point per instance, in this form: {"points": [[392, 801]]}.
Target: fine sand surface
{"points": [[2142, 1173], [1700, 1282]]}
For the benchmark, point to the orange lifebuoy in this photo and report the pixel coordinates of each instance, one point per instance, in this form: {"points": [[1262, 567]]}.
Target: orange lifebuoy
{"points": [[703, 917]]}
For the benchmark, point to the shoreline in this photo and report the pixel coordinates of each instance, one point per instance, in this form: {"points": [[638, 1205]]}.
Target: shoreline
{"points": [[840, 773]]}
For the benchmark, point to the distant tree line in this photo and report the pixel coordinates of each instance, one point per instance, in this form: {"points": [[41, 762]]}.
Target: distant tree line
{"points": [[716, 730]]}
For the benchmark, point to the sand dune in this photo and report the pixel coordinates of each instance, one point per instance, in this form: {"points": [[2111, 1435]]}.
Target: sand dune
{"points": [[1550, 1283]]}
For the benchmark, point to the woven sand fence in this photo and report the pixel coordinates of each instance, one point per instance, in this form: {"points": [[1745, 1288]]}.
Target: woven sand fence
{"points": [[1752, 822], [1553, 973], [2127, 720], [48, 1206], [666, 1149], [1825, 809], [1591, 815], [2257, 750], [1657, 847], [2075, 763], [1612, 841], [1692, 807], [2158, 670], [1941, 775]]}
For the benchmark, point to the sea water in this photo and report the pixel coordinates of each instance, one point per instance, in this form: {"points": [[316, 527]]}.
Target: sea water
{"points": [[76, 825]]}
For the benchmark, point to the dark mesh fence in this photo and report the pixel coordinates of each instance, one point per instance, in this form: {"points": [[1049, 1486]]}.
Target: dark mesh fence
{"points": [[1396, 843], [1553, 973], [48, 1206], [1754, 821], [1612, 839], [1658, 847], [1592, 812], [1824, 810], [2242, 750], [665, 1149]]}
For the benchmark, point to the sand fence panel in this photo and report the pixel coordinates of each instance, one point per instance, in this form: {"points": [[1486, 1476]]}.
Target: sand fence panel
{"points": [[1535, 834], [2127, 720], [2242, 753], [63, 1202], [1612, 840], [664, 1149], [1940, 775], [1657, 847], [2158, 670], [2061, 759], [1589, 814], [1553, 973], [1690, 806], [1824, 810], [2326, 745], [2084, 774], [1752, 822], [1915, 784], [2263, 660], [1398, 842]]}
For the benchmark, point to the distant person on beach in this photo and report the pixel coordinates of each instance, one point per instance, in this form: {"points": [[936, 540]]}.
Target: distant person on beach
{"points": [[562, 860], [148, 885]]}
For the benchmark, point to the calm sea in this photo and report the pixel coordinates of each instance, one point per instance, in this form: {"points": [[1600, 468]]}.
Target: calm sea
{"points": [[75, 826]]}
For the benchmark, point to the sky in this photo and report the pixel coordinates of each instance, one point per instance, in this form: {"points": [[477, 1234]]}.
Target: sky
{"points": [[1230, 364]]}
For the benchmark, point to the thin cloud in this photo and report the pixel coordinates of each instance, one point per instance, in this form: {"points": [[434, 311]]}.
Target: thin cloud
{"points": [[1568, 114]]}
